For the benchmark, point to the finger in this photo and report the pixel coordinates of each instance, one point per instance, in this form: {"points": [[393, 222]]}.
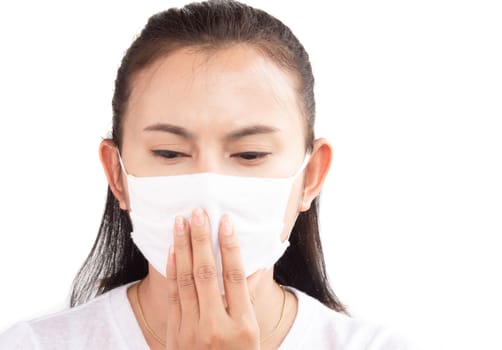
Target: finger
{"points": [[234, 278], [184, 272], [173, 301], [204, 266]]}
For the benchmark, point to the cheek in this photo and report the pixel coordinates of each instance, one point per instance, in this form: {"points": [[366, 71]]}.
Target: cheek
{"points": [[292, 210]]}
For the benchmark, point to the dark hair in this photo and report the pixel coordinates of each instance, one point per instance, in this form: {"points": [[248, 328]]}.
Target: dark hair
{"points": [[114, 259]]}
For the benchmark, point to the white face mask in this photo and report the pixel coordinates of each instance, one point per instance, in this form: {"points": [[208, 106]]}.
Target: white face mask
{"points": [[256, 207]]}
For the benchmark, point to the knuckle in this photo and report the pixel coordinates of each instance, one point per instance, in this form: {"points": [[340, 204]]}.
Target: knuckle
{"points": [[206, 272], [182, 243], [171, 275], [247, 334], [173, 299], [235, 276], [230, 245], [201, 238], [248, 330], [185, 279], [211, 338]]}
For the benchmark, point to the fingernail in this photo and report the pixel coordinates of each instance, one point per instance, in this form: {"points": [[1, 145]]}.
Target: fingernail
{"points": [[178, 224], [198, 217], [226, 226]]}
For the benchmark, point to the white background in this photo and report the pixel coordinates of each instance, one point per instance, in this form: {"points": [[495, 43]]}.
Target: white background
{"points": [[409, 94]]}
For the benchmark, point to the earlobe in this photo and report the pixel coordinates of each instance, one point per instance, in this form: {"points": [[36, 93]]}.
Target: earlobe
{"points": [[305, 205], [110, 160], [316, 172]]}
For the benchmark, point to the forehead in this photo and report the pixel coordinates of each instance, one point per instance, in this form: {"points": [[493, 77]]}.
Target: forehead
{"points": [[233, 86]]}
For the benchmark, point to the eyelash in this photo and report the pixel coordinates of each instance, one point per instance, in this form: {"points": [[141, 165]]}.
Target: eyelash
{"points": [[167, 154], [247, 156], [256, 155]]}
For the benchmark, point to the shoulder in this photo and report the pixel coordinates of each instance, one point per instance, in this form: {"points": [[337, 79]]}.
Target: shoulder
{"points": [[19, 336], [91, 325], [319, 327]]}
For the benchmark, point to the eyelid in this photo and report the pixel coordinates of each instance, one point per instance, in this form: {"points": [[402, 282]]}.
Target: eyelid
{"points": [[162, 153], [257, 154]]}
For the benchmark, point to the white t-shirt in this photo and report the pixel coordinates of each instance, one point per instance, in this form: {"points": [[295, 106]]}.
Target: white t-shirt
{"points": [[108, 322]]}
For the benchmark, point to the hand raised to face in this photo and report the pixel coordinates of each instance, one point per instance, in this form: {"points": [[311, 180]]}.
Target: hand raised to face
{"points": [[197, 315]]}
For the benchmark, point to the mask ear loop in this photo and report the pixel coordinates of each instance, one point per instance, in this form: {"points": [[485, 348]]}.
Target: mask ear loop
{"points": [[121, 162], [302, 168], [306, 160]]}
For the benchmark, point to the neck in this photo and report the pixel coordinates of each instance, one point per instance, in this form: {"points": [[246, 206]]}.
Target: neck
{"points": [[267, 302]]}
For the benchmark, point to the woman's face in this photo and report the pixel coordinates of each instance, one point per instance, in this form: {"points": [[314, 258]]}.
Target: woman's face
{"points": [[233, 112]]}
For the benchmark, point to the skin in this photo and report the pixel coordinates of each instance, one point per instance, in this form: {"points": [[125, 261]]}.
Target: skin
{"points": [[213, 98]]}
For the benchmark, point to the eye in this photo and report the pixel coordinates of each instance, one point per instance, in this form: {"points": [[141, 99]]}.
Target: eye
{"points": [[250, 156], [168, 154]]}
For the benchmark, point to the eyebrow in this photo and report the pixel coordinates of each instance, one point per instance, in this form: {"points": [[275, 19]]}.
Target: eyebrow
{"points": [[250, 130], [232, 136], [173, 129]]}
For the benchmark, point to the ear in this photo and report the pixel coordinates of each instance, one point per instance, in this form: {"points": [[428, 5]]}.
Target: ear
{"points": [[315, 172], [108, 153]]}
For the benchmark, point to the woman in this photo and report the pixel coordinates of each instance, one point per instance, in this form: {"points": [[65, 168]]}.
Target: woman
{"points": [[213, 169]]}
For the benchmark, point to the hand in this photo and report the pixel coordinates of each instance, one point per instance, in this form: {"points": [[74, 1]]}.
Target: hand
{"points": [[197, 317]]}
